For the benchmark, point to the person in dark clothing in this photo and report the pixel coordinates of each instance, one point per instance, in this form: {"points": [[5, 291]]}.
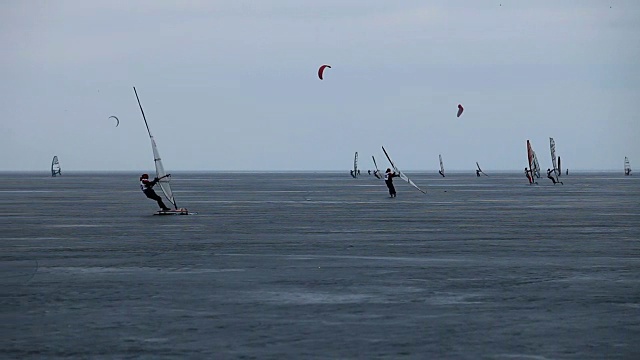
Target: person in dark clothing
{"points": [[388, 179], [147, 188], [478, 173], [369, 172], [549, 172]]}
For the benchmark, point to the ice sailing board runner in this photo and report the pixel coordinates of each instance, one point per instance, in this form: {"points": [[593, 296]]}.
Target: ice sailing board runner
{"points": [[402, 175], [161, 174]]}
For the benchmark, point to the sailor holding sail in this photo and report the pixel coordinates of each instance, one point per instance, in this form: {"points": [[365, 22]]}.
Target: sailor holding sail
{"points": [[529, 174], [388, 179], [147, 188]]}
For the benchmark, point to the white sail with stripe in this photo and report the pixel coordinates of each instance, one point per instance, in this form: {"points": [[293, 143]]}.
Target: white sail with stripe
{"points": [[355, 165], [554, 161], [161, 174], [55, 167]]}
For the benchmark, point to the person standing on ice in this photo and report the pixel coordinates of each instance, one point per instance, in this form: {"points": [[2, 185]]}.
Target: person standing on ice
{"points": [[147, 188], [388, 179]]}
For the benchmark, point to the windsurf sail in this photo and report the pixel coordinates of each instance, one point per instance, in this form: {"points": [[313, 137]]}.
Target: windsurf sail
{"points": [[402, 175], [55, 167], [480, 170], [534, 167], [355, 166], [554, 161], [559, 167], [377, 172], [627, 166], [160, 172], [441, 165]]}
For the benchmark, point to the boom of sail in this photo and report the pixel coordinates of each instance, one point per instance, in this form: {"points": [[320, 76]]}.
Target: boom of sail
{"points": [[55, 167], [402, 175], [161, 174]]}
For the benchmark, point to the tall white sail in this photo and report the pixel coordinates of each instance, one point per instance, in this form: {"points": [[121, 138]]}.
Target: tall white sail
{"points": [[55, 167], [355, 165], [160, 172], [554, 161]]}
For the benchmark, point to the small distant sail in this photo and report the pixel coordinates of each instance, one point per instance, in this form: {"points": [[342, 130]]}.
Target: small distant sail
{"points": [[480, 170], [441, 172], [402, 175], [627, 166], [355, 165], [533, 160], [460, 110], [554, 161], [55, 167], [377, 172]]}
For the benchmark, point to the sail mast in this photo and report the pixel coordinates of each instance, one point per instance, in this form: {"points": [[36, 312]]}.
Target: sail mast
{"points": [[142, 111], [161, 174]]}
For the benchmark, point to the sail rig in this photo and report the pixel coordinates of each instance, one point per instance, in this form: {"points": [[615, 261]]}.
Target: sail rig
{"points": [[377, 172], [480, 170], [554, 161], [533, 160], [402, 175], [55, 167], [441, 165], [160, 172], [355, 166], [627, 166]]}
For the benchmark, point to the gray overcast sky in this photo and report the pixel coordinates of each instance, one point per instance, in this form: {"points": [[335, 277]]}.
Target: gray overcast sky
{"points": [[232, 85]]}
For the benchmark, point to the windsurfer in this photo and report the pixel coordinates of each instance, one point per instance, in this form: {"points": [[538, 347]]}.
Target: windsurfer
{"points": [[388, 179], [478, 173], [529, 174], [147, 189], [369, 172]]}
